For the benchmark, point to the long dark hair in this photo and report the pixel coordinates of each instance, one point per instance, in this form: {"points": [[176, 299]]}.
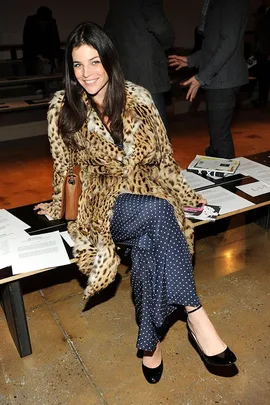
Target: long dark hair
{"points": [[73, 113]]}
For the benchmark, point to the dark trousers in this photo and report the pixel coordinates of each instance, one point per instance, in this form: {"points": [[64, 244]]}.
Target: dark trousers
{"points": [[263, 75], [220, 105]]}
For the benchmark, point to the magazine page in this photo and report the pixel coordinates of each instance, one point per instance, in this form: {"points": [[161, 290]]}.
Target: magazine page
{"points": [[207, 164], [209, 213]]}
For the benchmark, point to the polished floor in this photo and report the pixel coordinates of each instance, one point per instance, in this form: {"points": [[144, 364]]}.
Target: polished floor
{"points": [[85, 354]]}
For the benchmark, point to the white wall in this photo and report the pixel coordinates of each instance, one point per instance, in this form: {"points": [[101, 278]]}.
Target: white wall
{"points": [[183, 14]]}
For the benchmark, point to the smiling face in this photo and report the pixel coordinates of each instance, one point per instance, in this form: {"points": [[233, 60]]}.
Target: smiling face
{"points": [[90, 72]]}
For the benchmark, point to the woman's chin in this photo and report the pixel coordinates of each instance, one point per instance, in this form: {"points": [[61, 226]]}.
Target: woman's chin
{"points": [[92, 90]]}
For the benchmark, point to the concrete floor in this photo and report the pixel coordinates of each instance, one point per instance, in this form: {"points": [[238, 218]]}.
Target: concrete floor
{"points": [[85, 354]]}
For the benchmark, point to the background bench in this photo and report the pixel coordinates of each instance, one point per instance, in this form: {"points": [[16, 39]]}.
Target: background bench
{"points": [[9, 86], [23, 109]]}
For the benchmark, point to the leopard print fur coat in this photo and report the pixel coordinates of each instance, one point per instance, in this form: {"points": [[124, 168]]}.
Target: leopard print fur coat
{"points": [[145, 166]]}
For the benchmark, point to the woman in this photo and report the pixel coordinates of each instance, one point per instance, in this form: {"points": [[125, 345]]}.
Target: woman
{"points": [[133, 195]]}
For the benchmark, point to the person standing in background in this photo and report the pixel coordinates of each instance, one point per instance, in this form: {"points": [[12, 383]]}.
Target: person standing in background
{"points": [[222, 68], [142, 34], [262, 54], [41, 43]]}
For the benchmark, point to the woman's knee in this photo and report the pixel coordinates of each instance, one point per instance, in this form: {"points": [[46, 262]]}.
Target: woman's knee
{"points": [[161, 208]]}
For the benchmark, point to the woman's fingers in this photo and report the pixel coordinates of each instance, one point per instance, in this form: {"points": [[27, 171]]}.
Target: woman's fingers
{"points": [[41, 212], [41, 208], [203, 201]]}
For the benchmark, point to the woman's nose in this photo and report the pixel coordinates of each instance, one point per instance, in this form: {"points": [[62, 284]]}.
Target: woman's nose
{"points": [[86, 71]]}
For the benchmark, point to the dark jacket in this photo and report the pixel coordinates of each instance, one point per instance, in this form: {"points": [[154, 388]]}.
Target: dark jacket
{"points": [[40, 38], [141, 34], [221, 60]]}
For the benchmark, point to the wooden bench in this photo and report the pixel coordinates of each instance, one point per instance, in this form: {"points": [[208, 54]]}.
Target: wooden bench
{"points": [[10, 288], [28, 103], [23, 105], [12, 299], [15, 80], [26, 80], [14, 48], [231, 183], [15, 66]]}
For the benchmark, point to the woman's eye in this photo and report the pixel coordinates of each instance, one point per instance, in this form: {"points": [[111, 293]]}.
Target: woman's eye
{"points": [[95, 62], [76, 65]]}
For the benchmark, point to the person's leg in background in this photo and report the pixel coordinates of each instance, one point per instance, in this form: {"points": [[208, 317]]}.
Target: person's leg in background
{"points": [[263, 80], [159, 101], [35, 67], [267, 83], [220, 105]]}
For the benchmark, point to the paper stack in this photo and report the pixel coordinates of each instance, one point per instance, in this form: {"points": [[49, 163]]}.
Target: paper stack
{"points": [[28, 253]]}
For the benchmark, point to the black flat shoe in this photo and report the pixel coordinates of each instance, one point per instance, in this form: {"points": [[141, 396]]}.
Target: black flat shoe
{"points": [[225, 358], [152, 375]]}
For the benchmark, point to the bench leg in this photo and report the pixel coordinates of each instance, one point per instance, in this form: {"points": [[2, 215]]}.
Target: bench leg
{"points": [[46, 89], [264, 220], [13, 306]]}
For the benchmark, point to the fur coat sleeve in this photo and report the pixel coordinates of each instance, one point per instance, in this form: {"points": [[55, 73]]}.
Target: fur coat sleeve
{"points": [[60, 155]]}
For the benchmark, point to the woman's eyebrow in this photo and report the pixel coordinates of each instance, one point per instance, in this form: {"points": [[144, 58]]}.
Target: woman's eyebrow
{"points": [[94, 57]]}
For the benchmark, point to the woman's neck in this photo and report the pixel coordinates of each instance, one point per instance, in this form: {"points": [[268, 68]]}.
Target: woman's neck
{"points": [[100, 111], [99, 106]]}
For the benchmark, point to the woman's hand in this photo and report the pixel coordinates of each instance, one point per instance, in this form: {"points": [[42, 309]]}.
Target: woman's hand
{"points": [[42, 208], [203, 201]]}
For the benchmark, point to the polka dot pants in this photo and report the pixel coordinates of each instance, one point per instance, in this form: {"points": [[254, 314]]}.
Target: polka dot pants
{"points": [[161, 272]]}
